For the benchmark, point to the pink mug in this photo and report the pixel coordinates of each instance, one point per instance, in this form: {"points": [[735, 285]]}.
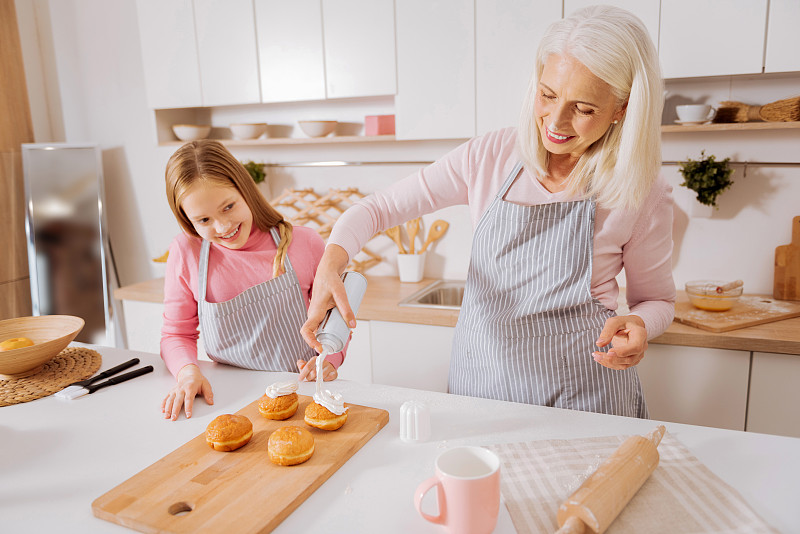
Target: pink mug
{"points": [[467, 484]]}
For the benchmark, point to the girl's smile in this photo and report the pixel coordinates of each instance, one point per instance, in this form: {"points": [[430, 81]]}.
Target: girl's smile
{"points": [[218, 213]]}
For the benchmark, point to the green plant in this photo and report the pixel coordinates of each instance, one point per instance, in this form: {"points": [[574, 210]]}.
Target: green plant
{"points": [[706, 177], [256, 171]]}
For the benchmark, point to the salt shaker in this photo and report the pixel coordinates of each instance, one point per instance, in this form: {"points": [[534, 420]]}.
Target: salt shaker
{"points": [[415, 422], [333, 332]]}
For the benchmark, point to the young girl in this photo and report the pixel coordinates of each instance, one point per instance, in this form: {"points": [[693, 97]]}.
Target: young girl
{"points": [[239, 271]]}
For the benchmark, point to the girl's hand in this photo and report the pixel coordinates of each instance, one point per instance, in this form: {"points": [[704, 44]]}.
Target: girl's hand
{"points": [[308, 370], [327, 292], [628, 337], [190, 383]]}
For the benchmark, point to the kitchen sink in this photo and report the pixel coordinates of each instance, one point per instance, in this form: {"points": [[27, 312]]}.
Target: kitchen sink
{"points": [[443, 294]]}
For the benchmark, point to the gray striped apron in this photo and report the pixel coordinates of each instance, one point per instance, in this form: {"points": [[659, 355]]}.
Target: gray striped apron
{"points": [[258, 328], [528, 323]]}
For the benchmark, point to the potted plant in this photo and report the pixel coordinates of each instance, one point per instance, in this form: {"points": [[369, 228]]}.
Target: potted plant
{"points": [[256, 171], [707, 177]]}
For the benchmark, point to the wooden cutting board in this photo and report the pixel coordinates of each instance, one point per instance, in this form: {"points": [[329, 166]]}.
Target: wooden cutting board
{"points": [[198, 489], [750, 310], [786, 284]]}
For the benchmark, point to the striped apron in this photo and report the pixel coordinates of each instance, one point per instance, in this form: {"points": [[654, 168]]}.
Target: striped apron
{"points": [[258, 328], [528, 323]]}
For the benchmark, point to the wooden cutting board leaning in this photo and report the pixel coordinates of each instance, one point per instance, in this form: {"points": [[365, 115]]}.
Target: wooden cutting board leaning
{"points": [[750, 310], [787, 267], [196, 488]]}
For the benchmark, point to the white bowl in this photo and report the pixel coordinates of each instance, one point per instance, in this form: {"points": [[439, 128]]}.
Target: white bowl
{"points": [[248, 130], [317, 128], [191, 132]]}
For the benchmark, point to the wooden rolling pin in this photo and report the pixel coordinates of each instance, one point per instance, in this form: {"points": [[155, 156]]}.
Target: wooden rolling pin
{"points": [[601, 498]]}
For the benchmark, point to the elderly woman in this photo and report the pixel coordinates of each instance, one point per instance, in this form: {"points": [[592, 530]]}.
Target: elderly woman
{"points": [[560, 206]]}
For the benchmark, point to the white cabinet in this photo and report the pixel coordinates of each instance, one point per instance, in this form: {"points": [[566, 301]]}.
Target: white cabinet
{"points": [[783, 37], [435, 69], [507, 35], [359, 48], [647, 10], [226, 49], [696, 386], [357, 364], [774, 405], [712, 37], [290, 52], [169, 53], [410, 355]]}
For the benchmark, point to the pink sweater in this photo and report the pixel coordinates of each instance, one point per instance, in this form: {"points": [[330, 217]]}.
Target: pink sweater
{"points": [[230, 272], [472, 174]]}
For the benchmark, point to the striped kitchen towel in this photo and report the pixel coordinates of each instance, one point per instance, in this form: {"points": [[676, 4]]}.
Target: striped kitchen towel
{"points": [[682, 495]]}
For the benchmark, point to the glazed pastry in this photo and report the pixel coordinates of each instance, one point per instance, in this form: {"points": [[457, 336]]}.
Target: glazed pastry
{"points": [[290, 445], [321, 417], [15, 343], [280, 401], [229, 432]]}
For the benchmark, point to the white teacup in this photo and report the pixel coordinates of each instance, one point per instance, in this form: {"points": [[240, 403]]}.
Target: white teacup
{"points": [[695, 112]]}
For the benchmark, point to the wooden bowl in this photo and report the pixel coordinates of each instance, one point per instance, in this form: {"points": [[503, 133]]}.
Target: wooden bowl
{"points": [[50, 335]]}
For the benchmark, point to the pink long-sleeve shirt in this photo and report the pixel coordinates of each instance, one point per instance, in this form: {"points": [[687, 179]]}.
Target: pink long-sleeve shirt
{"points": [[230, 272], [473, 173]]}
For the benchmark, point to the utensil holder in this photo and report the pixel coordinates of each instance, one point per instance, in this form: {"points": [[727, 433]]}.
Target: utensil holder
{"points": [[411, 267]]}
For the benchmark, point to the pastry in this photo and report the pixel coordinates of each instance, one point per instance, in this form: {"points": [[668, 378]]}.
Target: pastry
{"points": [[321, 417], [15, 343], [290, 445], [229, 432], [279, 402]]}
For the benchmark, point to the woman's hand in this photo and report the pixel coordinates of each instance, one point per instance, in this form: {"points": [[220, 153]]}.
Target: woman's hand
{"points": [[328, 291], [190, 383], [628, 338], [308, 370]]}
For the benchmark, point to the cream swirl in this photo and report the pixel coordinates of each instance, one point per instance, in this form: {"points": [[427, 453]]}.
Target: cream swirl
{"points": [[279, 389], [331, 401]]}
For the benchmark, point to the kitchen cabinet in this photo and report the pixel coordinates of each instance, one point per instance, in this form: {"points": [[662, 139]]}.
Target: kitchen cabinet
{"points": [[357, 364], [410, 355], [169, 53], [774, 394], [290, 50], [696, 386], [712, 37], [647, 10], [507, 35], [783, 39], [435, 69], [359, 48]]}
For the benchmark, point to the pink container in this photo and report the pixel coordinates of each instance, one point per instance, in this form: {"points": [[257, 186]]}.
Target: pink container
{"points": [[379, 125]]}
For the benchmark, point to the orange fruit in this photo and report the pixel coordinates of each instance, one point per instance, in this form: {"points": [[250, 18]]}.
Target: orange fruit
{"points": [[15, 343]]}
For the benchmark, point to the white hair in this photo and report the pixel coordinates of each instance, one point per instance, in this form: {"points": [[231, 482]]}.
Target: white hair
{"points": [[619, 169]]}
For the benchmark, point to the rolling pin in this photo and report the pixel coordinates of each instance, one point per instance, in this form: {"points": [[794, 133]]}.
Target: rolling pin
{"points": [[600, 499]]}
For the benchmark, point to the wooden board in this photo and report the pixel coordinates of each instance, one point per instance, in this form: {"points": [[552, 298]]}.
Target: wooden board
{"points": [[786, 284], [198, 489], [750, 310]]}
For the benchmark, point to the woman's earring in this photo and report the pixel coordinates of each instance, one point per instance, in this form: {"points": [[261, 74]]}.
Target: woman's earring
{"points": [[615, 122]]}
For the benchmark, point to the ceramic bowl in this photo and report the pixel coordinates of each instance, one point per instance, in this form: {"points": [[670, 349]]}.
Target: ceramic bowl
{"points": [[317, 128], [191, 132], [703, 294], [248, 130], [50, 335]]}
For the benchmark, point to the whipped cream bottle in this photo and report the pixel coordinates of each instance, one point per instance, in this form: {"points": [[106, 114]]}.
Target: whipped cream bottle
{"points": [[333, 332]]}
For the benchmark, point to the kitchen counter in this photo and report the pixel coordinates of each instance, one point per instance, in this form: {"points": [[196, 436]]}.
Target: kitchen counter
{"points": [[384, 292], [58, 456]]}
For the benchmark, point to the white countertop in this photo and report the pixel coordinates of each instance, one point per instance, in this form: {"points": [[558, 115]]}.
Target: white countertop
{"points": [[56, 456]]}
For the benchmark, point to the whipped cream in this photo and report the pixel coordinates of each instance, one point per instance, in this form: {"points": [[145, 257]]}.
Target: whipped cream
{"points": [[279, 389], [332, 401]]}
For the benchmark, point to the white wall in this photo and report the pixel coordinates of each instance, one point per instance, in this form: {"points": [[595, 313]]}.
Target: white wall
{"points": [[89, 51]]}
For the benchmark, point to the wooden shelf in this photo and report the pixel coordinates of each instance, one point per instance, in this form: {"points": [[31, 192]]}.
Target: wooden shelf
{"points": [[297, 140], [734, 126]]}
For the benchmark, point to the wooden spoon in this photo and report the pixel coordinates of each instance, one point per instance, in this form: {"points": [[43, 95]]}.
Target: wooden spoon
{"points": [[394, 234], [412, 227], [438, 228]]}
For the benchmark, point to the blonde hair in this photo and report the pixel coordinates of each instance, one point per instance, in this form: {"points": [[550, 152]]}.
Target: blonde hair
{"points": [[209, 161], [619, 169]]}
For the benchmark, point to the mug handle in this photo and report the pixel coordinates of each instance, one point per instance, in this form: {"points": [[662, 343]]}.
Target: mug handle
{"points": [[711, 114], [422, 489]]}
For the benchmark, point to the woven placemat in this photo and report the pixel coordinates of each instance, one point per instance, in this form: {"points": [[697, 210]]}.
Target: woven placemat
{"points": [[68, 366]]}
